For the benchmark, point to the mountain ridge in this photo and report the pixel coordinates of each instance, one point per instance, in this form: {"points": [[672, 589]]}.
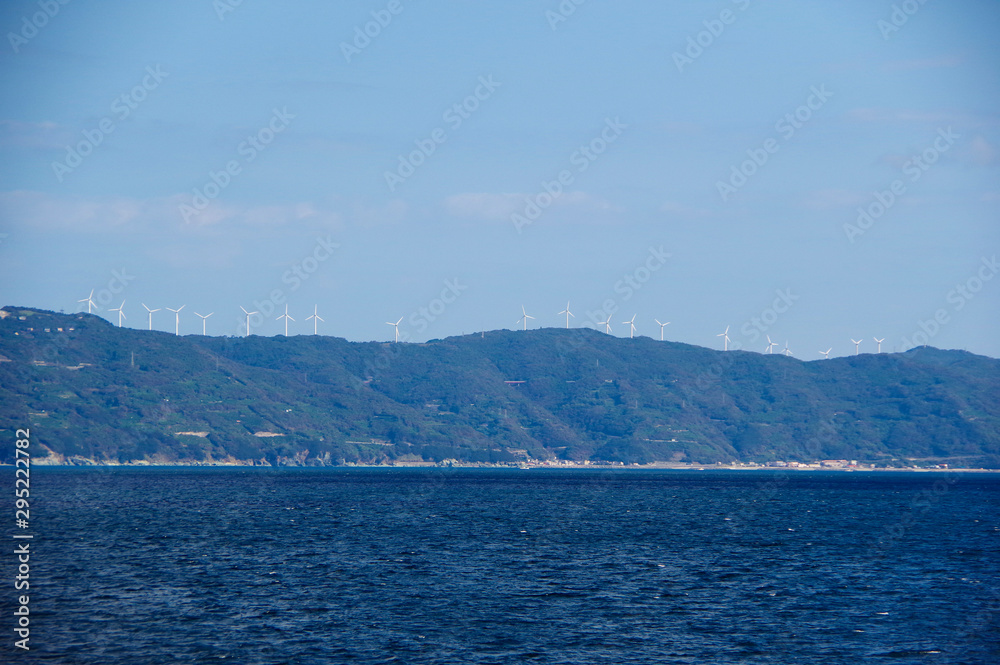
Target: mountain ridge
{"points": [[104, 393]]}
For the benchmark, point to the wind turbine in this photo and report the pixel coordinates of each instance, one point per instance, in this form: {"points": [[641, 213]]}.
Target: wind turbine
{"points": [[249, 314], [89, 300], [879, 342], [631, 323], [177, 318], [826, 354], [567, 313], [857, 343], [286, 318], [726, 335], [396, 326], [524, 318], [315, 317], [204, 317], [121, 314], [787, 352], [150, 314], [770, 344], [662, 326], [606, 324]]}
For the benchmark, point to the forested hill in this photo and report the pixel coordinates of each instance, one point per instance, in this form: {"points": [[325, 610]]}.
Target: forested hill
{"points": [[92, 391]]}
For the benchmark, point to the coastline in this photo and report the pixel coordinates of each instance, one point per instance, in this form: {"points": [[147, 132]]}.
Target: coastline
{"points": [[655, 466]]}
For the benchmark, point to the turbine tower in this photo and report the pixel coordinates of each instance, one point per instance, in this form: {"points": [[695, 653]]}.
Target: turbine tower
{"points": [[89, 300], [150, 314], [857, 344], [396, 326], [826, 354], [662, 326], [567, 313], [204, 317], [607, 324], [524, 318], [177, 318], [631, 323], [249, 314], [121, 314], [726, 335], [787, 352], [879, 342], [286, 318], [315, 317], [770, 344]]}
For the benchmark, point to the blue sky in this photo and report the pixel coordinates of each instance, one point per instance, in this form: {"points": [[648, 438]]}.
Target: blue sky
{"points": [[703, 163]]}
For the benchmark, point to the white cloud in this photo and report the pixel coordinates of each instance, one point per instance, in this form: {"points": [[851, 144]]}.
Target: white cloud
{"points": [[484, 205], [900, 115], [923, 63], [827, 199], [46, 135], [492, 207], [392, 212], [681, 210], [982, 152], [40, 210]]}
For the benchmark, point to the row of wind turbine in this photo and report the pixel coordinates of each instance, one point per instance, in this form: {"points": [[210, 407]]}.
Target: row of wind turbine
{"points": [[316, 318]]}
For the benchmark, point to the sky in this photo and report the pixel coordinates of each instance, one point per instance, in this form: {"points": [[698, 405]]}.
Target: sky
{"points": [[812, 172]]}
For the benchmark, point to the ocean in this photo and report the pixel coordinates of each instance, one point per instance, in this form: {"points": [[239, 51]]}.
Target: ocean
{"points": [[474, 566]]}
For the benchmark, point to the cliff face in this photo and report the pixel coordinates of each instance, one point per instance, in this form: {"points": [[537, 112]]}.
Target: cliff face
{"points": [[92, 391]]}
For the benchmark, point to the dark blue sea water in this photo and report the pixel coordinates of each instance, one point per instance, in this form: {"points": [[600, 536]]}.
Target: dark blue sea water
{"points": [[475, 566]]}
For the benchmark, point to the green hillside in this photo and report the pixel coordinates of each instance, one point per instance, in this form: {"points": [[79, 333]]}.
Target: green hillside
{"points": [[100, 392]]}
